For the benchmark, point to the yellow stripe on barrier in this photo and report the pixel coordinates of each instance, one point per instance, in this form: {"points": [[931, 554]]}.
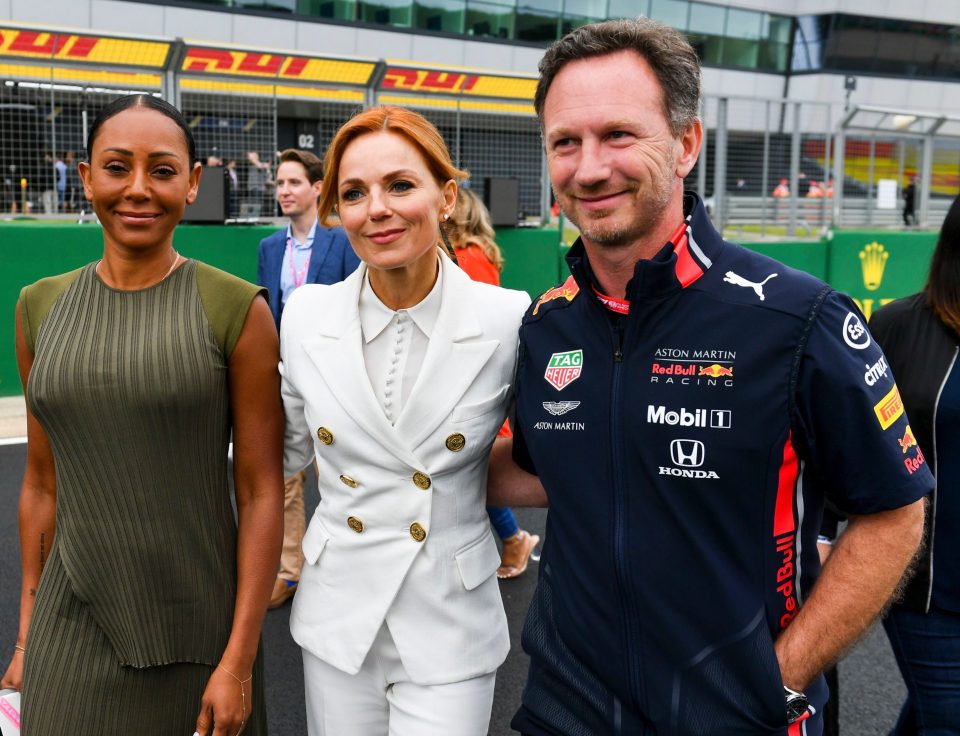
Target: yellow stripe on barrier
{"points": [[269, 90], [453, 104], [133, 80]]}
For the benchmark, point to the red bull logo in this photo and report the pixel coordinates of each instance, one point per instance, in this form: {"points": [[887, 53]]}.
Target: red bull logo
{"points": [[715, 371], [907, 441], [567, 291], [912, 464]]}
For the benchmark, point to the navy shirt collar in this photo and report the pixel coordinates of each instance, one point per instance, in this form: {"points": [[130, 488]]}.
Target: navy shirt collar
{"points": [[669, 270]]}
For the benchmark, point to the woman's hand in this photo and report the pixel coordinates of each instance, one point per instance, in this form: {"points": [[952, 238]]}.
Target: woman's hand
{"points": [[13, 677], [226, 705]]}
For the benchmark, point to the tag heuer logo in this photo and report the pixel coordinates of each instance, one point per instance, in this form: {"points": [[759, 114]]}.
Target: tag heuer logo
{"points": [[564, 368]]}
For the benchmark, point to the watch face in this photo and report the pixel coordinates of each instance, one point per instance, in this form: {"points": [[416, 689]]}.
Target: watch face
{"points": [[796, 707]]}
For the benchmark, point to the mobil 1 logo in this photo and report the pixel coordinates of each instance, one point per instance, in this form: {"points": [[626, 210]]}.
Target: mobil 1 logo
{"points": [[683, 417]]}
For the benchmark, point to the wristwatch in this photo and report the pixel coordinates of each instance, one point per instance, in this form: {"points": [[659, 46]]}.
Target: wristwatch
{"points": [[797, 704]]}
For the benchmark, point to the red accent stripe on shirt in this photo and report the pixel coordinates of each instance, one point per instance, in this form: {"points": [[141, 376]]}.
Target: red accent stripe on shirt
{"points": [[784, 520], [688, 270]]}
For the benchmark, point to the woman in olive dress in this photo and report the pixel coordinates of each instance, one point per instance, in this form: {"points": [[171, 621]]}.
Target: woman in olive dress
{"points": [[142, 599]]}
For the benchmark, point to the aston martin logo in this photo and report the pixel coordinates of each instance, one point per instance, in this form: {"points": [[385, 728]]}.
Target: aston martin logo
{"points": [[560, 407], [873, 259]]}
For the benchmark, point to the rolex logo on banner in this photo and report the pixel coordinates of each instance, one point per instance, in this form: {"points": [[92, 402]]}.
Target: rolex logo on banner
{"points": [[873, 259]]}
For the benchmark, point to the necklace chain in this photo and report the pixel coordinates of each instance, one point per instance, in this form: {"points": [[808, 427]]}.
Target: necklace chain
{"points": [[176, 259]]}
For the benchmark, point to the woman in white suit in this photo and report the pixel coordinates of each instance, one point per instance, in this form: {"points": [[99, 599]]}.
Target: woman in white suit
{"points": [[398, 379]]}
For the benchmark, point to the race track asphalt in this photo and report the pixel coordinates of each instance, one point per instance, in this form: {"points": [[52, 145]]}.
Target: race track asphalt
{"points": [[871, 688]]}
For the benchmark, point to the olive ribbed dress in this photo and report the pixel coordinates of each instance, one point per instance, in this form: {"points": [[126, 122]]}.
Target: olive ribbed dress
{"points": [[136, 599]]}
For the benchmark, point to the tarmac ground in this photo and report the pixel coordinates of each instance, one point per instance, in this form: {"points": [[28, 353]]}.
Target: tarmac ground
{"points": [[871, 689]]}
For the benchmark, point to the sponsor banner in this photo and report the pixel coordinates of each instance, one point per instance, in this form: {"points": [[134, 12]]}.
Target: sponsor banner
{"points": [[457, 82], [875, 267], [239, 63], [38, 44], [889, 409]]}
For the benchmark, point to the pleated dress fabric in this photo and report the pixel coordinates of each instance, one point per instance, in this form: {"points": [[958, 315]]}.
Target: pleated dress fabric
{"points": [[136, 600]]}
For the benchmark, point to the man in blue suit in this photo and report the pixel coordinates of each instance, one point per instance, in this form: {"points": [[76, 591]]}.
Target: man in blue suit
{"points": [[304, 252]]}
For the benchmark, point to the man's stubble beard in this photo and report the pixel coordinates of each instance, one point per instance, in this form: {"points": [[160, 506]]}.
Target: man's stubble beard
{"points": [[650, 206]]}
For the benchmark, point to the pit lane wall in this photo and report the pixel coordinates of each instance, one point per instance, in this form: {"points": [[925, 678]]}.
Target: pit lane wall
{"points": [[874, 267]]}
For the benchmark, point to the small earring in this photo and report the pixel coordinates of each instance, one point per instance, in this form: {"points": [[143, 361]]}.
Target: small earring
{"points": [[446, 215]]}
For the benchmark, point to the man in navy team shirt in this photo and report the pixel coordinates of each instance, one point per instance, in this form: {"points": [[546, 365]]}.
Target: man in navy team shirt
{"points": [[687, 406]]}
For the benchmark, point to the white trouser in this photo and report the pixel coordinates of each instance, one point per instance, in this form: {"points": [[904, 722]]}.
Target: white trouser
{"points": [[380, 700]]}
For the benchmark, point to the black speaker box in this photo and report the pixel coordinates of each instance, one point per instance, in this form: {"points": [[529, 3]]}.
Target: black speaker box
{"points": [[502, 198], [211, 203]]}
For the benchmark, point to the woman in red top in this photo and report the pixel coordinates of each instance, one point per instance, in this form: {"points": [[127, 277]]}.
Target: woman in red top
{"points": [[472, 237]]}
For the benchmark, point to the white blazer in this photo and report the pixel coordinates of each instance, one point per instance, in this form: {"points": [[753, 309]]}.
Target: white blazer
{"points": [[366, 561]]}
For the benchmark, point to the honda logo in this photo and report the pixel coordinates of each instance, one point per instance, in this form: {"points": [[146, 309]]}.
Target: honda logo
{"points": [[687, 453]]}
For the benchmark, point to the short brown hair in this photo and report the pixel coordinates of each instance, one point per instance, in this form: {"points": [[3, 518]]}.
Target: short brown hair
{"points": [[307, 159], [408, 124], [667, 51]]}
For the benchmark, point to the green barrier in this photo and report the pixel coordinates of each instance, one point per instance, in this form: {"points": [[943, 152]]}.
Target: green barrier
{"points": [[32, 250], [874, 267], [877, 266], [809, 256], [530, 259]]}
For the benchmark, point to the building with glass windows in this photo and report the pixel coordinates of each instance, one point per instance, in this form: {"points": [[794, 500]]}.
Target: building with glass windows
{"points": [[761, 47], [262, 75]]}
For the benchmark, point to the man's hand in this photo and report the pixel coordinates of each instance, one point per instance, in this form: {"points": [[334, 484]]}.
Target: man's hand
{"points": [[857, 583]]}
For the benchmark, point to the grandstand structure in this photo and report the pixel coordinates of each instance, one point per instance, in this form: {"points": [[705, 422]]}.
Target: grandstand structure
{"points": [[845, 101]]}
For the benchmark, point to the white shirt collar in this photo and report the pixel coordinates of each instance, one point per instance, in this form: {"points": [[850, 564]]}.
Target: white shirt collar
{"points": [[375, 315]]}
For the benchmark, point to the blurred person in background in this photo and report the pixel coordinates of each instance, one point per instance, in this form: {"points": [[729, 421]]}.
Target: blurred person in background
{"points": [[47, 184], [396, 381], [472, 236], [259, 181], [147, 616], [304, 252], [909, 202], [920, 336], [60, 169], [73, 181]]}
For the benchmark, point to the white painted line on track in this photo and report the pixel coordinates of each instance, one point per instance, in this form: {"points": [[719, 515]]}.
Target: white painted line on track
{"points": [[13, 441]]}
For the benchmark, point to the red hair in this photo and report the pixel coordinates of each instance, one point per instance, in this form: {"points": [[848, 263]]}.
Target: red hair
{"points": [[412, 126]]}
